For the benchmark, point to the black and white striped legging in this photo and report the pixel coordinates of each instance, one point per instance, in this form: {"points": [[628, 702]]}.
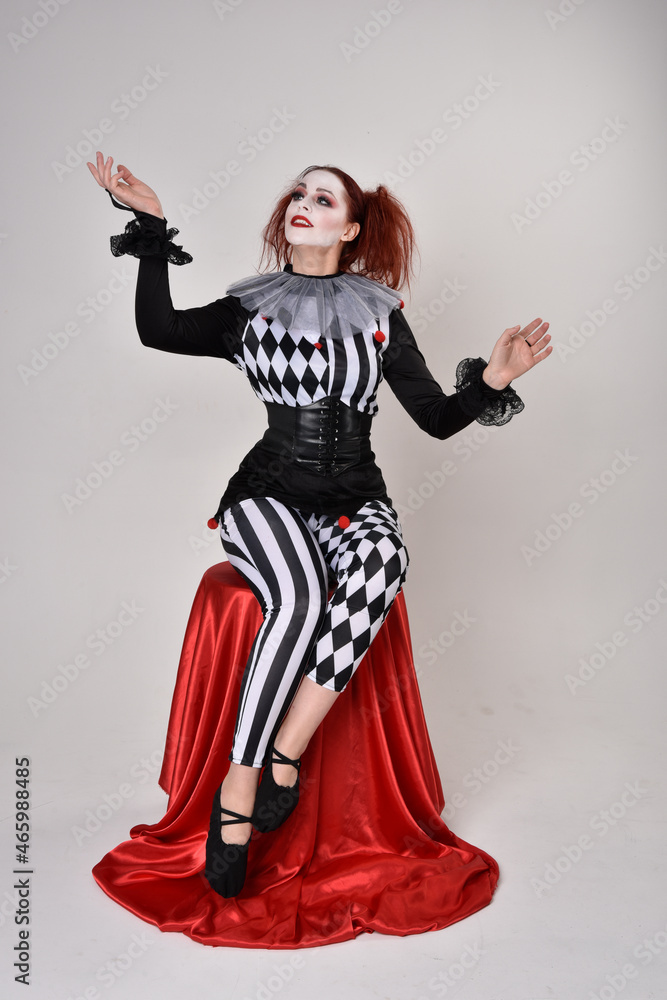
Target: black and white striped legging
{"points": [[285, 555]]}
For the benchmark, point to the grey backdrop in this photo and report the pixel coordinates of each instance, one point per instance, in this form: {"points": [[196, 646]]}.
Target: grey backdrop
{"points": [[527, 142]]}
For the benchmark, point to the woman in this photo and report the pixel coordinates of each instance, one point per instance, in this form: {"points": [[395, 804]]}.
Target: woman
{"points": [[308, 505]]}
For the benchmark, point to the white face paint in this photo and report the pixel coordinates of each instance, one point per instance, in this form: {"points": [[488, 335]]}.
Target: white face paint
{"points": [[321, 201]]}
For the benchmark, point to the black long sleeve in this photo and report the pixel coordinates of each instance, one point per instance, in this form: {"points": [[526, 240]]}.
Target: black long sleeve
{"points": [[212, 330], [435, 412]]}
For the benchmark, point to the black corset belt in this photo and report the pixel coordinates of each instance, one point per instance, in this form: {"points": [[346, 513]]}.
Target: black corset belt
{"points": [[326, 437]]}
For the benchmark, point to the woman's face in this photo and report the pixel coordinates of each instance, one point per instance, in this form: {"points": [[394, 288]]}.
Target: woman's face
{"points": [[317, 213]]}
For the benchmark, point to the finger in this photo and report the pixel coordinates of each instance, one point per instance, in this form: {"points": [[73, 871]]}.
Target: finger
{"points": [[537, 345], [127, 175], [535, 335], [542, 342], [541, 347], [94, 173], [543, 354], [107, 171], [531, 328], [118, 179], [506, 335], [103, 172], [535, 330]]}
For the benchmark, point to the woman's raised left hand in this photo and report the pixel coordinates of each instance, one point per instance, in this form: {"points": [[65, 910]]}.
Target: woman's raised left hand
{"points": [[516, 352]]}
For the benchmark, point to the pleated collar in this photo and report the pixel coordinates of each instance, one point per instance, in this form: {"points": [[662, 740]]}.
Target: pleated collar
{"points": [[335, 305]]}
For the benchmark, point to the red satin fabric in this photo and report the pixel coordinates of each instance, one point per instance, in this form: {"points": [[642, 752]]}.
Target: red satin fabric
{"points": [[365, 850]]}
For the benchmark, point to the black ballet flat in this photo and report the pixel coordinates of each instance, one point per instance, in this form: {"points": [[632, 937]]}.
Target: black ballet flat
{"points": [[225, 863], [274, 803]]}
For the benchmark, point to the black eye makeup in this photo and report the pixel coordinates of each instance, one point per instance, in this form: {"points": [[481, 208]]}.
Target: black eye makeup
{"points": [[322, 198]]}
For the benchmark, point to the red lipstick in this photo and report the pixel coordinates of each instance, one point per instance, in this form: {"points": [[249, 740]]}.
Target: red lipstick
{"points": [[301, 220]]}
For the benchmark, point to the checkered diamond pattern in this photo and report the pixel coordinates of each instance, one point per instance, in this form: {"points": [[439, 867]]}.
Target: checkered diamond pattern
{"points": [[370, 561], [281, 368], [288, 368]]}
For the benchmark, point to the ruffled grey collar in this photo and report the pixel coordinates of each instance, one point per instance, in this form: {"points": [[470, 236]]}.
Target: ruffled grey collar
{"points": [[334, 305]]}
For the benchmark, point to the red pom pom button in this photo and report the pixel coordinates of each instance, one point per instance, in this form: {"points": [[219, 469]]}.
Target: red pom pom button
{"points": [[379, 336], [343, 521], [212, 523], [402, 304], [317, 345]]}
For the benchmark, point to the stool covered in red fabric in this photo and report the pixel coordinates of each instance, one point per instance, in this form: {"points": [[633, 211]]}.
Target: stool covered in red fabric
{"points": [[366, 848]]}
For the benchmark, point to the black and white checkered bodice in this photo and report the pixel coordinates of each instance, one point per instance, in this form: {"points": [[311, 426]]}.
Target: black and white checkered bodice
{"points": [[302, 368]]}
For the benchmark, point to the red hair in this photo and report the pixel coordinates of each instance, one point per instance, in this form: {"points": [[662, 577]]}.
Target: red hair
{"points": [[382, 250]]}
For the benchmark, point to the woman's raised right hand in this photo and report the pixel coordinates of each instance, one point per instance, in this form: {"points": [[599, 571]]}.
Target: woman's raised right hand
{"points": [[125, 187]]}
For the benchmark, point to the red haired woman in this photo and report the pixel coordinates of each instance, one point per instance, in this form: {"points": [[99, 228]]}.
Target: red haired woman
{"points": [[308, 505]]}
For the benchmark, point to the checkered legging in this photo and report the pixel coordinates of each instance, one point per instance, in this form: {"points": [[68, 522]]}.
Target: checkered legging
{"points": [[287, 556]]}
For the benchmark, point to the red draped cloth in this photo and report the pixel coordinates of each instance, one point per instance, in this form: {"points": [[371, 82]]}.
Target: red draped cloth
{"points": [[366, 848]]}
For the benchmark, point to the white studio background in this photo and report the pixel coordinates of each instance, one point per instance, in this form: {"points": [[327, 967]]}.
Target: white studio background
{"points": [[526, 140]]}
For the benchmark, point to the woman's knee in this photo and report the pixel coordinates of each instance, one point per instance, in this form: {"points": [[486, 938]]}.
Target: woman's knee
{"points": [[308, 608], [388, 555]]}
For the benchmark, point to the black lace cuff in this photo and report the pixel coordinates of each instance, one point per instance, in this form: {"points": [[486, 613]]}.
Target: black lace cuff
{"points": [[147, 236], [497, 406]]}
